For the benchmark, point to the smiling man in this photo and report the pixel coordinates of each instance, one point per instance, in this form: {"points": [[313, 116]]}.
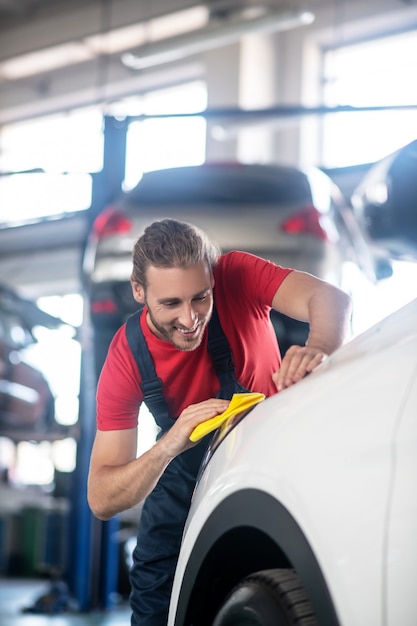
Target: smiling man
{"points": [[182, 317], [203, 334]]}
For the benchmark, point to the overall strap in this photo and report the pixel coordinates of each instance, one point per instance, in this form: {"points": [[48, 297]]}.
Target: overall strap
{"points": [[151, 385], [219, 348], [221, 354]]}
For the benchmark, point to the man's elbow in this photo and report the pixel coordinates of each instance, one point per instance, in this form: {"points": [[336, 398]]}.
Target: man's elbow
{"points": [[347, 299], [337, 300], [95, 502], [346, 304], [343, 312]]}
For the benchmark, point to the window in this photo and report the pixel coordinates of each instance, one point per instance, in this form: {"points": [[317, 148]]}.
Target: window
{"points": [[373, 73], [67, 142], [167, 142], [68, 147], [57, 354]]}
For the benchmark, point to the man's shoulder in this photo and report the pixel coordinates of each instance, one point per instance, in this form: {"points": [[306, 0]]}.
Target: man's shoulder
{"points": [[243, 263], [243, 276], [235, 258], [233, 275], [234, 255]]}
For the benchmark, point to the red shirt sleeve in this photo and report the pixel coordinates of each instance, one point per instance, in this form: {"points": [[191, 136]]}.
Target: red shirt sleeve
{"points": [[118, 392], [254, 279]]}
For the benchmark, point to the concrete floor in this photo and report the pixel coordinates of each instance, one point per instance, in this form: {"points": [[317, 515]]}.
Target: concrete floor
{"points": [[17, 594]]}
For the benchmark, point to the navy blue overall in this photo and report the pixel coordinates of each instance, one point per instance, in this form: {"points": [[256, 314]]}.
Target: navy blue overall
{"points": [[166, 508]]}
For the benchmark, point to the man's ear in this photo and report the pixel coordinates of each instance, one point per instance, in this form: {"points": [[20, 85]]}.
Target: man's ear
{"points": [[138, 292]]}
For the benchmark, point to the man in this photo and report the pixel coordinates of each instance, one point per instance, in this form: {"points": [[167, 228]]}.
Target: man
{"points": [[193, 298]]}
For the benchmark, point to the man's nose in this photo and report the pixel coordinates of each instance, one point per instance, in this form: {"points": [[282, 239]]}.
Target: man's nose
{"points": [[187, 316]]}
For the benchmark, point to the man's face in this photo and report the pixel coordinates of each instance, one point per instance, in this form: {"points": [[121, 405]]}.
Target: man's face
{"points": [[179, 301]]}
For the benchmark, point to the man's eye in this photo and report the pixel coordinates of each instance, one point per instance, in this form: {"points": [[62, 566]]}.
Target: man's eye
{"points": [[170, 305], [200, 298]]}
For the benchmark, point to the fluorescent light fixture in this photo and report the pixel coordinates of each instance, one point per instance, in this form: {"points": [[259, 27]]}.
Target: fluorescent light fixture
{"points": [[116, 40], [44, 60], [124, 38], [111, 42], [213, 36], [177, 23]]}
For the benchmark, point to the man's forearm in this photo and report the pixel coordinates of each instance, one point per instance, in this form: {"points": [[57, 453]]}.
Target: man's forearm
{"points": [[117, 488]]}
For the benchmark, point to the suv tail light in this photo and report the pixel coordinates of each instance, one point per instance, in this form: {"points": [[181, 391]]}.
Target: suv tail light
{"points": [[309, 221], [111, 222], [103, 306]]}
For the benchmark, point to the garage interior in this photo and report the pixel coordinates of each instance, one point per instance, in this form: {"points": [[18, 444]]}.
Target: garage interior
{"points": [[94, 93]]}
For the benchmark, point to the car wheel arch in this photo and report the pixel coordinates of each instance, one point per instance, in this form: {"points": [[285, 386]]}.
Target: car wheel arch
{"points": [[249, 531]]}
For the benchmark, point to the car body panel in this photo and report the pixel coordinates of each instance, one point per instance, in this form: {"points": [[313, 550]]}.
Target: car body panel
{"points": [[326, 451], [401, 559]]}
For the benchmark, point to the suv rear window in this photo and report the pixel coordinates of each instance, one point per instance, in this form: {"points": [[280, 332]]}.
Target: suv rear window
{"points": [[206, 184]]}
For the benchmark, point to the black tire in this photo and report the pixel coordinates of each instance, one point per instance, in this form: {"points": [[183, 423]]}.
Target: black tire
{"points": [[268, 598]]}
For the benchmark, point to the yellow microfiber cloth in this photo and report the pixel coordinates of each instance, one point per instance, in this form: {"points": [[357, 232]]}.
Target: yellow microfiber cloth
{"points": [[238, 403]]}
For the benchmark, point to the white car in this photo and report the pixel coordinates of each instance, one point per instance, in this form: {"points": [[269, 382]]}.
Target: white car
{"points": [[305, 510], [308, 505]]}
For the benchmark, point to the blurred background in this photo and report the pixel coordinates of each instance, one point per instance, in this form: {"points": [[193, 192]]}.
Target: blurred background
{"points": [[95, 95]]}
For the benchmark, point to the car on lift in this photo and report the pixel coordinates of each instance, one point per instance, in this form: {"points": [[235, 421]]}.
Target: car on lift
{"points": [[384, 203], [27, 405], [305, 510], [293, 217]]}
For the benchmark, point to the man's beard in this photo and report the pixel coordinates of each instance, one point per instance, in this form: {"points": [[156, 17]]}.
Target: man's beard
{"points": [[168, 332]]}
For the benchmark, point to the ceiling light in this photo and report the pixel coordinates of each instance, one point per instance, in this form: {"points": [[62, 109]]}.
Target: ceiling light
{"points": [[44, 60], [126, 37], [213, 36], [114, 41]]}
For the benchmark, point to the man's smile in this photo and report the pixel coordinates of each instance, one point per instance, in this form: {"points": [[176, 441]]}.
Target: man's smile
{"points": [[187, 331]]}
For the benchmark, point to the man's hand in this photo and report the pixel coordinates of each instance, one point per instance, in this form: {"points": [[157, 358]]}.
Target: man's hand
{"points": [[177, 439], [326, 308], [118, 480], [297, 363]]}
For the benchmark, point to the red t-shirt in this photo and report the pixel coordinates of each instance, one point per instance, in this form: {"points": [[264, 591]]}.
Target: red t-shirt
{"points": [[244, 289]]}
